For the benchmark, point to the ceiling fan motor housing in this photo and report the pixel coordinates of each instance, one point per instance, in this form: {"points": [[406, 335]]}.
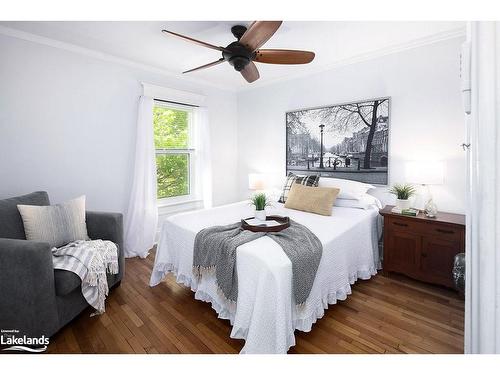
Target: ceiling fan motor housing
{"points": [[237, 55], [238, 31]]}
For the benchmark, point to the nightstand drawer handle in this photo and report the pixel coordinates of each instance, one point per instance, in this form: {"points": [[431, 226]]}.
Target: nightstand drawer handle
{"points": [[445, 231], [400, 224]]}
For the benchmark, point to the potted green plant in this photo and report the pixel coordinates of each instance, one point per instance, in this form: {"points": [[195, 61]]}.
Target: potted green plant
{"points": [[260, 201], [403, 192]]}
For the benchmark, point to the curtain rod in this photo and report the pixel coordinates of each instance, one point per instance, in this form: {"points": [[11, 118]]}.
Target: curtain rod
{"points": [[171, 102]]}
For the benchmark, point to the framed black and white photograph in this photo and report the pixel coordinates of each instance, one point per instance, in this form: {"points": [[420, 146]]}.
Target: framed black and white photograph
{"points": [[347, 140]]}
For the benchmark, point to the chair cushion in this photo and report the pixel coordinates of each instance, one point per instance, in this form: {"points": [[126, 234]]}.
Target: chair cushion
{"points": [[11, 223], [66, 282]]}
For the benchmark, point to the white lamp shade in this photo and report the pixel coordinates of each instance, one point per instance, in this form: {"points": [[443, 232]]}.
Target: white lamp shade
{"points": [[256, 181], [425, 172]]}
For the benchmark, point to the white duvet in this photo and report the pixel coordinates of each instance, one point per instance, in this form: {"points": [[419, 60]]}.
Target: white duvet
{"points": [[265, 314]]}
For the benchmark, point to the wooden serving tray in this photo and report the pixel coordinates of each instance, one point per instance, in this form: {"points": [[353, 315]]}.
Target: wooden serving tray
{"points": [[284, 220]]}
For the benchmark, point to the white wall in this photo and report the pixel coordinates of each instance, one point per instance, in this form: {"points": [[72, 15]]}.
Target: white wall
{"points": [[67, 125], [67, 121], [427, 120]]}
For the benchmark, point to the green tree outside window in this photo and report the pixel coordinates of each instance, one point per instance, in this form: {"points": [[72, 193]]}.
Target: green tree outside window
{"points": [[171, 132]]}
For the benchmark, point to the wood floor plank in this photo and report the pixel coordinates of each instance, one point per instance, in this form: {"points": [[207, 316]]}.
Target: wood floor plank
{"points": [[138, 334], [132, 315], [214, 342], [383, 315], [71, 341], [414, 328], [136, 345]]}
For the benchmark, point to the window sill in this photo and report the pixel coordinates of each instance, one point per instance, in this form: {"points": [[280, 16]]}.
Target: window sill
{"points": [[166, 209], [161, 204]]}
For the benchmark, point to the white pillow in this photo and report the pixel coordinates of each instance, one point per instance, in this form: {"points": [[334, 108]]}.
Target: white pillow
{"points": [[365, 202], [348, 189], [58, 225]]}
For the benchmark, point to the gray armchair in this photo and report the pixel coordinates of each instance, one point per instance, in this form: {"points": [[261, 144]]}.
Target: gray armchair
{"points": [[35, 299]]}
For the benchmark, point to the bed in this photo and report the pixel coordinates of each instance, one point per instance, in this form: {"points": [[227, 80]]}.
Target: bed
{"points": [[265, 315]]}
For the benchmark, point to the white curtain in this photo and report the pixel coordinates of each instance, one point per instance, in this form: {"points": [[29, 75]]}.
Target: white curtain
{"points": [[482, 315], [141, 218], [203, 156]]}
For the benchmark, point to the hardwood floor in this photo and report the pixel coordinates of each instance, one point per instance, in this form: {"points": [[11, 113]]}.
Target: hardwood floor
{"points": [[383, 315]]}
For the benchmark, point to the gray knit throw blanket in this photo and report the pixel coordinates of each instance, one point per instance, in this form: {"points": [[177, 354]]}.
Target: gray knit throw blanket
{"points": [[215, 251]]}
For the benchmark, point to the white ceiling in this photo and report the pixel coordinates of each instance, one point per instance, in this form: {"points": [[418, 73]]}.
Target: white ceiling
{"points": [[143, 42]]}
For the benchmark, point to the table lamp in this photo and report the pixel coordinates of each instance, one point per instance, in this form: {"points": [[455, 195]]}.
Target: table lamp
{"points": [[256, 181], [425, 173]]}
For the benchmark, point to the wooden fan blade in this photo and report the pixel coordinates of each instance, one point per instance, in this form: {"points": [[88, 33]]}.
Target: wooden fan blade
{"points": [[199, 42], [221, 60], [283, 56], [258, 33], [250, 73]]}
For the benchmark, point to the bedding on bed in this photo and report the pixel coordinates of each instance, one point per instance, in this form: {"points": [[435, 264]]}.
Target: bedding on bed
{"points": [[299, 244], [265, 314]]}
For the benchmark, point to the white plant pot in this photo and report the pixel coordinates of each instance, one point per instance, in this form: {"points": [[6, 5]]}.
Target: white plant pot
{"points": [[403, 204], [260, 215]]}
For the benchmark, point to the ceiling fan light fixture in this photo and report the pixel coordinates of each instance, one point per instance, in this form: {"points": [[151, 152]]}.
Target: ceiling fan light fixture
{"points": [[239, 62]]}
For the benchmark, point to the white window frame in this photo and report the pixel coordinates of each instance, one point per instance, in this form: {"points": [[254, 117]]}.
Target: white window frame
{"points": [[191, 196]]}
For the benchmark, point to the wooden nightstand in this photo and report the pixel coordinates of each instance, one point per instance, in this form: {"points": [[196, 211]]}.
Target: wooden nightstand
{"points": [[421, 247]]}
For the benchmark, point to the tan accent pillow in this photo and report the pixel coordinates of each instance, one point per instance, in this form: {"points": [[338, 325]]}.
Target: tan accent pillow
{"points": [[318, 200]]}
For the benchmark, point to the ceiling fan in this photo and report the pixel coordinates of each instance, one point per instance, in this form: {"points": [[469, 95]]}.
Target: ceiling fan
{"points": [[242, 53]]}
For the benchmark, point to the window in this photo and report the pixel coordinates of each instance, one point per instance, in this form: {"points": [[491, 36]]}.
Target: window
{"points": [[174, 152]]}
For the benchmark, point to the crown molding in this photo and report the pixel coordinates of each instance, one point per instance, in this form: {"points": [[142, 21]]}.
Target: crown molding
{"points": [[19, 34], [434, 38]]}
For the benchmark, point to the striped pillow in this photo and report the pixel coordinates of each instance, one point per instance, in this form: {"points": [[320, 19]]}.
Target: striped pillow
{"points": [[309, 180], [57, 225]]}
